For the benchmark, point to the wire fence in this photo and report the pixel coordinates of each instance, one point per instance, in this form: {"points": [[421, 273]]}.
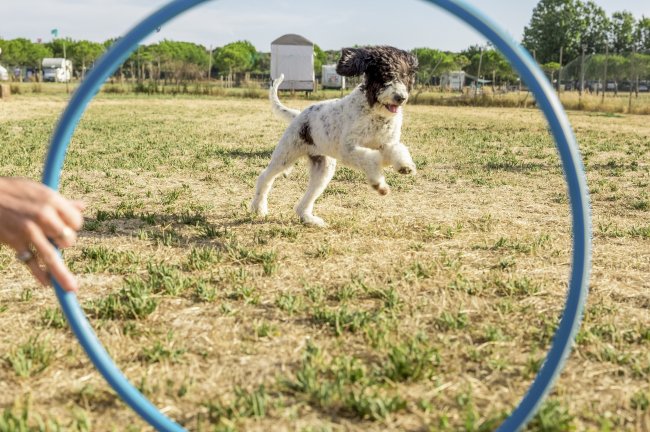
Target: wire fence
{"points": [[607, 73]]}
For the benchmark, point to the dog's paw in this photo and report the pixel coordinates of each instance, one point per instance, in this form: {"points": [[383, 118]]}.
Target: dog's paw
{"points": [[260, 209], [287, 173], [407, 169], [382, 188], [312, 220]]}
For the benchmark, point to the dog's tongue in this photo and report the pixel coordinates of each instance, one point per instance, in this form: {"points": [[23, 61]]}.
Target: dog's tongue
{"points": [[393, 108]]}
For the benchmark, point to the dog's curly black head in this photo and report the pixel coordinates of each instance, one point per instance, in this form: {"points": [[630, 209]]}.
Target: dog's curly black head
{"points": [[389, 73]]}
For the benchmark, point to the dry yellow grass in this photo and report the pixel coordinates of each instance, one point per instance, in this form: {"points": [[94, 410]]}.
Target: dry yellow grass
{"points": [[472, 255], [571, 100]]}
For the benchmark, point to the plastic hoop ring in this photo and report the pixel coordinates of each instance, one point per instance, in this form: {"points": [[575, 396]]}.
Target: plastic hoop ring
{"points": [[547, 100]]}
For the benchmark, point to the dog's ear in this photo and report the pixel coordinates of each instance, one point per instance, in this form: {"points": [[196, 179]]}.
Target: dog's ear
{"points": [[413, 62], [353, 62]]}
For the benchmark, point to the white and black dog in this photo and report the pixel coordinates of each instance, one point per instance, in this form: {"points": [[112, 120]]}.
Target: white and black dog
{"points": [[361, 130]]}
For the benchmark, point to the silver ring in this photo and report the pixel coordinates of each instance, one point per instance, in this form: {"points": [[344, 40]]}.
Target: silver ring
{"points": [[24, 256], [66, 234]]}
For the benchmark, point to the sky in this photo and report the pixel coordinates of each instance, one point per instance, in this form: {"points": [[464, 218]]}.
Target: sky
{"points": [[331, 24]]}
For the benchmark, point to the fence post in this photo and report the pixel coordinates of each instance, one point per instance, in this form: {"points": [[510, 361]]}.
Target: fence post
{"points": [[210, 63], [632, 71], [478, 75], [494, 80], [582, 69], [602, 101], [636, 76], [559, 72]]}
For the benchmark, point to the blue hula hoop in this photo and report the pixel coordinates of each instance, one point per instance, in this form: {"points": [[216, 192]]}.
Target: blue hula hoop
{"points": [[547, 100]]}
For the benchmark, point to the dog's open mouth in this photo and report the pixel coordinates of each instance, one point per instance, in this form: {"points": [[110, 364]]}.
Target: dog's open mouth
{"points": [[392, 108]]}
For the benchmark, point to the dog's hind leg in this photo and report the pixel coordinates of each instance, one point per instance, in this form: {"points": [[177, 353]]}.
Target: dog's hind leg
{"points": [[321, 171], [282, 160]]}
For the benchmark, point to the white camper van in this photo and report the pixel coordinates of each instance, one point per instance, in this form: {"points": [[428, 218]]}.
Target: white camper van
{"points": [[4, 74], [57, 70], [331, 79]]}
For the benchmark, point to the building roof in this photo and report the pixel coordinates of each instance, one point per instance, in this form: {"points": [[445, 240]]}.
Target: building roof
{"points": [[292, 39], [479, 80]]}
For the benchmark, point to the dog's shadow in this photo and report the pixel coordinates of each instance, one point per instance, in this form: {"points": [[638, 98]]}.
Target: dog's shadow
{"points": [[181, 230], [243, 153]]}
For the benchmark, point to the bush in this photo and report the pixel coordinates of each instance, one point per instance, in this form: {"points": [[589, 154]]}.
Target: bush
{"points": [[112, 88]]}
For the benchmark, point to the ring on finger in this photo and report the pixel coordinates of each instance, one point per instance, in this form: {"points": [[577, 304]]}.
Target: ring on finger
{"points": [[66, 234], [25, 256]]}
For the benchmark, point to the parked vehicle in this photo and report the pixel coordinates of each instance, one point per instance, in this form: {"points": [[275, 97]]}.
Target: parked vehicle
{"points": [[331, 79], [4, 74], [57, 70], [625, 86], [594, 86], [568, 85]]}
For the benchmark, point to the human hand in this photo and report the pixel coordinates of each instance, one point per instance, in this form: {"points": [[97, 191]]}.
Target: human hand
{"points": [[30, 213]]}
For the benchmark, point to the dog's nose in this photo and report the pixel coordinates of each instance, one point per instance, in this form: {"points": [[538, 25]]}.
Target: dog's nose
{"points": [[398, 98]]}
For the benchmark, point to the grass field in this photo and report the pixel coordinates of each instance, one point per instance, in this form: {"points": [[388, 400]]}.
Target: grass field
{"points": [[427, 310]]}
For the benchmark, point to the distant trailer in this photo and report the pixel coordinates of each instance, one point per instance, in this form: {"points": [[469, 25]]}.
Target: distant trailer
{"points": [[331, 79], [453, 80], [57, 70], [4, 74], [293, 56]]}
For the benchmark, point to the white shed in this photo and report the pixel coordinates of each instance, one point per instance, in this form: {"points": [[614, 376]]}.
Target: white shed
{"points": [[4, 74], [331, 79], [293, 56], [454, 80]]}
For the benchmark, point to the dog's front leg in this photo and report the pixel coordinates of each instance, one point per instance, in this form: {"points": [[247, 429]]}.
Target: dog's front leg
{"points": [[399, 157], [370, 162]]}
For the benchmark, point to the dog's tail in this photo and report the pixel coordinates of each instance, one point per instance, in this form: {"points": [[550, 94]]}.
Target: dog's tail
{"points": [[280, 110]]}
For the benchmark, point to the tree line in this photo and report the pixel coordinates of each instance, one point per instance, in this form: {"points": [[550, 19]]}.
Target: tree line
{"points": [[557, 28], [189, 61], [167, 59], [572, 27]]}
